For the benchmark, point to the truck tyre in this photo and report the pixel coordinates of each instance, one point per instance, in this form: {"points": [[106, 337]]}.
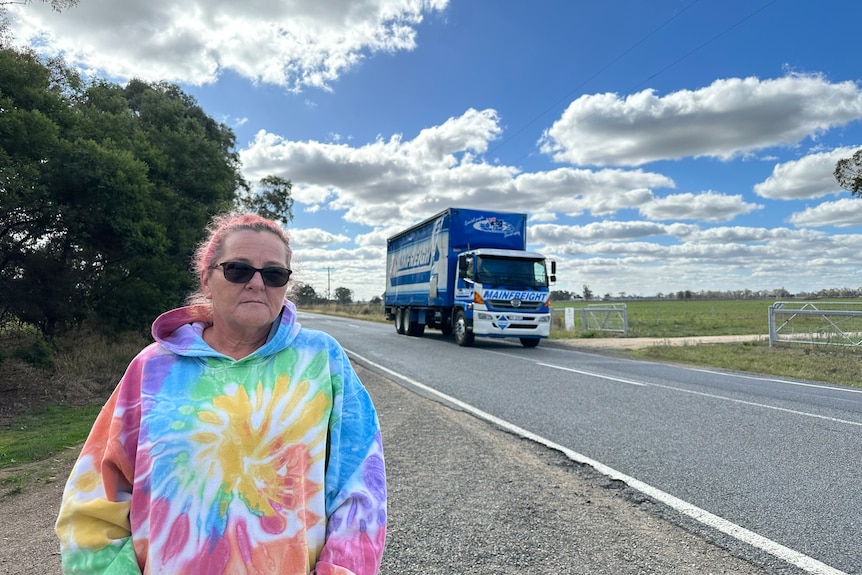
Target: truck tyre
{"points": [[463, 336], [411, 327], [529, 341], [399, 320]]}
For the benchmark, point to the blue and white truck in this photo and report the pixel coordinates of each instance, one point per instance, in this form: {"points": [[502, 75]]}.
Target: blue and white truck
{"points": [[468, 272]]}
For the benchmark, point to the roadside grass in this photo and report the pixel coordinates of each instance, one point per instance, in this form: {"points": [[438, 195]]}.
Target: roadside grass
{"points": [[36, 437], [839, 365], [45, 431], [672, 318], [58, 387], [94, 363]]}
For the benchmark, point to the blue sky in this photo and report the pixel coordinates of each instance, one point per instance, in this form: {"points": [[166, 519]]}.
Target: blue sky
{"points": [[656, 146]]}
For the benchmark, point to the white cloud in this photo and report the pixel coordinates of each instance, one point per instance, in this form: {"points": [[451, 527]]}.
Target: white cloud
{"points": [[807, 177], [555, 235], [288, 43], [303, 238], [726, 119], [708, 206], [841, 213], [327, 269], [398, 181]]}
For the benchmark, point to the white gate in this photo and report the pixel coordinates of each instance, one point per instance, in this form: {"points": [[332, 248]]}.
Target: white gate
{"points": [[821, 323], [601, 317]]}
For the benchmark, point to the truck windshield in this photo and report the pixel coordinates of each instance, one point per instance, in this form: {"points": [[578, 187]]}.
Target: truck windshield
{"points": [[512, 272]]}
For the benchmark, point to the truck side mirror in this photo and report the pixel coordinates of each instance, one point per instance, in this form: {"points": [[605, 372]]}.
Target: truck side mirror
{"points": [[462, 265]]}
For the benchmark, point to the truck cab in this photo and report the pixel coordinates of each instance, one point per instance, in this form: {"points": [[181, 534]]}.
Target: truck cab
{"points": [[502, 293], [468, 272]]}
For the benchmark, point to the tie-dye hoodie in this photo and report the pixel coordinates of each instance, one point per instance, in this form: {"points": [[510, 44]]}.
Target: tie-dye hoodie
{"points": [[200, 464]]}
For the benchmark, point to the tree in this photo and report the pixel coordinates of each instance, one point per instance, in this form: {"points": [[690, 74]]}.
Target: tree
{"points": [[848, 173], [304, 294], [343, 295], [272, 200], [105, 192], [562, 295], [588, 293]]}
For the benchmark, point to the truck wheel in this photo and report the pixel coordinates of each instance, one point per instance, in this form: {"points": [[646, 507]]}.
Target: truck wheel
{"points": [[529, 341], [412, 328], [463, 336], [399, 320]]}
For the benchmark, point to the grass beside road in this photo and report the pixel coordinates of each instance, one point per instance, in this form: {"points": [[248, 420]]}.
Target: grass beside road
{"points": [[672, 318], [840, 365], [96, 364]]}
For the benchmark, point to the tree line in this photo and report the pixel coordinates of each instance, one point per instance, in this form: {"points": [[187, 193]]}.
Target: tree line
{"points": [[104, 192]]}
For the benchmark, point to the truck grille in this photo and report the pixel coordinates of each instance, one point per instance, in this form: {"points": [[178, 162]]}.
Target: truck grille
{"points": [[507, 304]]}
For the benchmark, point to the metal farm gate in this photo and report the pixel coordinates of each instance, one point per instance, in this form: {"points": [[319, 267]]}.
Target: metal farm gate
{"points": [[598, 317], [821, 323]]}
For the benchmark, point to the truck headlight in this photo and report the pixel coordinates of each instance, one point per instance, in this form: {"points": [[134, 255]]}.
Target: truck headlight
{"points": [[544, 319], [485, 316]]}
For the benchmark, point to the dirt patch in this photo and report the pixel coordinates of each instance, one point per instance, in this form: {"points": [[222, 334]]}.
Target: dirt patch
{"points": [[24, 388], [642, 342]]}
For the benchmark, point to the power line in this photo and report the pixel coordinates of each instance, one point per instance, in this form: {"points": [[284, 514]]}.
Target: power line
{"points": [[596, 74], [710, 41], [625, 53]]}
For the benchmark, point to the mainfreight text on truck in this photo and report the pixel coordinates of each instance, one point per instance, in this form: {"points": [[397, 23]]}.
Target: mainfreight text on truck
{"points": [[467, 272]]}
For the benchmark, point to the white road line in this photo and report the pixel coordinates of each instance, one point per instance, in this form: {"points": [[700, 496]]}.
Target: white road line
{"points": [[804, 562], [710, 395], [591, 374], [754, 404], [775, 380]]}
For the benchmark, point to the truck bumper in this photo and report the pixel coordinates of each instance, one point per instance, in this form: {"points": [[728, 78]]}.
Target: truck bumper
{"points": [[497, 324]]}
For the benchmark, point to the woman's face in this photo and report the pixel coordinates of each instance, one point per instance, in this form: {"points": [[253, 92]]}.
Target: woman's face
{"points": [[252, 306]]}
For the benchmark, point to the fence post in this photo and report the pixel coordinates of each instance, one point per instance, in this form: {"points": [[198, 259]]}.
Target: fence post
{"points": [[570, 318], [772, 324]]}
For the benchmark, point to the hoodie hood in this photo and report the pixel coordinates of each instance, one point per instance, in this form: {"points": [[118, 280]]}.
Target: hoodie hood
{"points": [[181, 331]]}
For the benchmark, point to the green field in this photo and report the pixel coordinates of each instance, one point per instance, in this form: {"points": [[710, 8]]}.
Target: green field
{"points": [[673, 318]]}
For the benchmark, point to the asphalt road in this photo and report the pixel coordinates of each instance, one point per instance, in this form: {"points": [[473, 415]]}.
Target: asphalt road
{"points": [[775, 461]]}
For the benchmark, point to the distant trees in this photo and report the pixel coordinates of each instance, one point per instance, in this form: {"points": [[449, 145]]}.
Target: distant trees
{"points": [[304, 295], [104, 192], [343, 295], [587, 293], [562, 295]]}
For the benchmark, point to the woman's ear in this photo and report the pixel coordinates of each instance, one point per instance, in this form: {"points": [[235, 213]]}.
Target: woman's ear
{"points": [[205, 284]]}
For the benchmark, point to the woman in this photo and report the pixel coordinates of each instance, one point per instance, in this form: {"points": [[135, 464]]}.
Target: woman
{"points": [[238, 442]]}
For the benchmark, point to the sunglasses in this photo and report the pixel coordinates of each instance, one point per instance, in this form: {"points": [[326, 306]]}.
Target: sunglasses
{"points": [[240, 273]]}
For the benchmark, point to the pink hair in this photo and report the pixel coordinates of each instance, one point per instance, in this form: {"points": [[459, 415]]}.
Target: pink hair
{"points": [[220, 227]]}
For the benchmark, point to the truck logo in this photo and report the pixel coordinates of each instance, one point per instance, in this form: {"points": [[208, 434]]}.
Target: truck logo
{"points": [[494, 225], [515, 296]]}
